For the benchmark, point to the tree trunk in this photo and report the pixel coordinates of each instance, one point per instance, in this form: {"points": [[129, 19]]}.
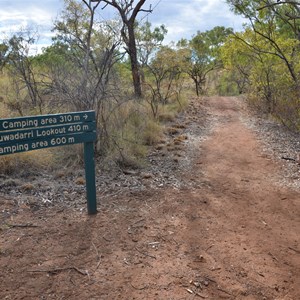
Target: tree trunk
{"points": [[134, 61], [128, 13]]}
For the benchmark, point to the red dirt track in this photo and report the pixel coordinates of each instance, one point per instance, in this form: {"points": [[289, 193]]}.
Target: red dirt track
{"points": [[235, 235]]}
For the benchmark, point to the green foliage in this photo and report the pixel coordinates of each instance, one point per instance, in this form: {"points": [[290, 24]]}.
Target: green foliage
{"points": [[227, 83], [3, 54], [148, 41], [85, 67], [266, 57], [24, 90], [202, 55], [53, 55], [165, 79]]}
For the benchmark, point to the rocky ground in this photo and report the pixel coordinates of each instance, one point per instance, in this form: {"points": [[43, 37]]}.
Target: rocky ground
{"points": [[214, 214]]}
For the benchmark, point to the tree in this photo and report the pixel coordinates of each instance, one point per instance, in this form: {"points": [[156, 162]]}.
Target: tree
{"points": [[278, 24], [89, 55], [128, 11], [148, 41], [28, 88], [204, 54], [164, 80], [275, 31], [257, 73], [238, 61], [3, 54]]}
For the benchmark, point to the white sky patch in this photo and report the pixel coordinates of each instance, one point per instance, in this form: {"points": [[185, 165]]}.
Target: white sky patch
{"points": [[32, 14], [28, 18], [185, 19], [182, 18]]}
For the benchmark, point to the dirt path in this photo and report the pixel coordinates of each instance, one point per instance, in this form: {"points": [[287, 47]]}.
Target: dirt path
{"points": [[233, 235]]}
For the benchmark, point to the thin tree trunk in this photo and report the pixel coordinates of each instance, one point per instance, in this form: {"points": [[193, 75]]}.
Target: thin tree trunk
{"points": [[134, 62]]}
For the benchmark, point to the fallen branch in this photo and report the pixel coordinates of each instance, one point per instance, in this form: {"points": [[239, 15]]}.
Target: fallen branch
{"points": [[106, 239], [21, 225], [199, 295], [97, 252], [224, 291], [60, 270], [98, 257], [145, 254], [195, 293], [209, 247], [139, 221], [273, 256], [288, 158], [298, 251]]}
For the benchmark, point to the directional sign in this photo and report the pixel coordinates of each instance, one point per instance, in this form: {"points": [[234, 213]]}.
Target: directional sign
{"points": [[46, 120], [45, 131], [8, 137], [49, 142]]}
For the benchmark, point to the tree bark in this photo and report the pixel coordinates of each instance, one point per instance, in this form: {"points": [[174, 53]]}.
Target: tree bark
{"points": [[128, 14], [132, 51]]}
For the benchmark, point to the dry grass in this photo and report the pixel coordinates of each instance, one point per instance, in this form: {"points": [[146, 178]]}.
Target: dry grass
{"points": [[180, 126], [172, 130], [4, 111], [80, 181], [159, 147], [27, 187], [152, 133], [180, 139], [130, 130], [167, 116], [177, 142], [24, 163]]}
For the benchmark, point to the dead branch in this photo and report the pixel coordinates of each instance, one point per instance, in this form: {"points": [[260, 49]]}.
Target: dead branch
{"points": [[195, 293], [209, 247], [57, 270], [145, 254], [288, 158], [224, 291], [274, 257], [106, 239], [29, 225], [298, 251], [199, 295], [98, 257]]}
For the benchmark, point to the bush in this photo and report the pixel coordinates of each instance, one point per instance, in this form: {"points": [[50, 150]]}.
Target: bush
{"points": [[26, 163]]}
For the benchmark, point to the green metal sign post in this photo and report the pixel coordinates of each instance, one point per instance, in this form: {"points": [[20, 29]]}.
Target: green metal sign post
{"points": [[89, 163], [45, 131]]}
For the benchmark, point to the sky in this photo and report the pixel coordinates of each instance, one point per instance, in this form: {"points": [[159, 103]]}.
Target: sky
{"points": [[182, 18]]}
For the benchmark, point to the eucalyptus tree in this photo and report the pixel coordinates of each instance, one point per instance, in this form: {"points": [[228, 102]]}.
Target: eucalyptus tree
{"points": [[164, 78], [278, 24], [148, 41], [203, 54], [90, 53], [255, 72], [275, 27], [128, 11], [26, 90], [3, 54]]}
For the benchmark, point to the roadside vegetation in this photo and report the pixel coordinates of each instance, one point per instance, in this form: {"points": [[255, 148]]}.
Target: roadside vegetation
{"points": [[264, 59], [136, 84]]}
